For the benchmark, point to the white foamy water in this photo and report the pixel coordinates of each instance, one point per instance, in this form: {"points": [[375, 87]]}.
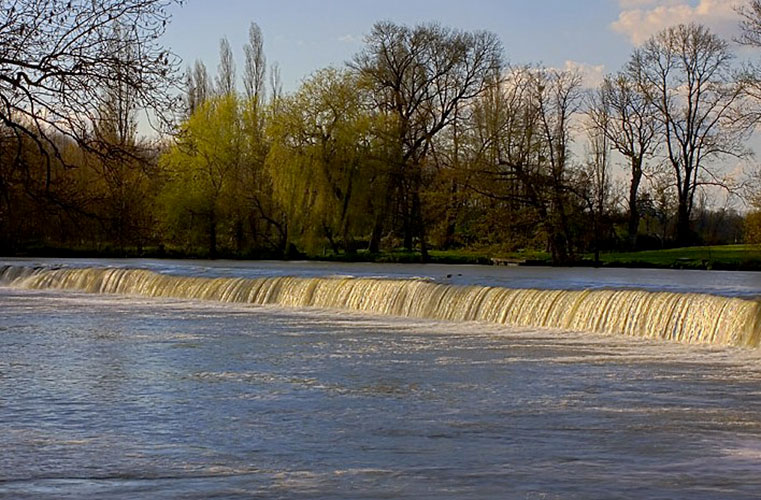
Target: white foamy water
{"points": [[131, 394], [675, 316]]}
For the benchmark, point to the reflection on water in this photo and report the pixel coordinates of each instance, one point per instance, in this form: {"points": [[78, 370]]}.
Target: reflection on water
{"points": [[115, 397]]}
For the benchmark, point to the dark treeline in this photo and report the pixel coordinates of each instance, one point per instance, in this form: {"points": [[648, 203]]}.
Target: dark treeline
{"points": [[426, 139]]}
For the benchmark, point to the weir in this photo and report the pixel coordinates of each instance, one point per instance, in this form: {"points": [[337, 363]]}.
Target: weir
{"points": [[681, 317]]}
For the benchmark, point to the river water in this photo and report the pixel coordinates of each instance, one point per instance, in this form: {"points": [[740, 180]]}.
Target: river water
{"points": [[114, 396]]}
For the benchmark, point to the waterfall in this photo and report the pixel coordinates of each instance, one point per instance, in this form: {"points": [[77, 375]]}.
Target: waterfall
{"points": [[681, 317]]}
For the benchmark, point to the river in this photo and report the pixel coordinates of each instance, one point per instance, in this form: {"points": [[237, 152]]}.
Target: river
{"points": [[108, 395]]}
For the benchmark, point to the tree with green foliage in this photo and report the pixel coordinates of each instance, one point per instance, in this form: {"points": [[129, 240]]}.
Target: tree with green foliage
{"points": [[320, 161], [202, 167]]}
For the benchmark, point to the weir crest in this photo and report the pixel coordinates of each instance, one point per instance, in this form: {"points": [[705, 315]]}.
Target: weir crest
{"points": [[681, 317]]}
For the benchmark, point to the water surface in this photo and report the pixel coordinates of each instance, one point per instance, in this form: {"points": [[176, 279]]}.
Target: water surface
{"points": [[124, 397]]}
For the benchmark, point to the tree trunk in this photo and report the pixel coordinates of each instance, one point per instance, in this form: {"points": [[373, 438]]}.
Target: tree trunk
{"points": [[407, 223], [633, 228], [684, 235], [451, 217], [417, 212], [212, 235], [377, 233]]}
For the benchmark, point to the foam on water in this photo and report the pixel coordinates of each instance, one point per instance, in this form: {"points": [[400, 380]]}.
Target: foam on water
{"points": [[682, 317]]}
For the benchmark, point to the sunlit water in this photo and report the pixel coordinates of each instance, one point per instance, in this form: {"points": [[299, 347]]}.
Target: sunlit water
{"points": [[108, 396]]}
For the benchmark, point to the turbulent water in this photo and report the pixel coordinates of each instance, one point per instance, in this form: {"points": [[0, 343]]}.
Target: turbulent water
{"points": [[676, 316], [171, 386]]}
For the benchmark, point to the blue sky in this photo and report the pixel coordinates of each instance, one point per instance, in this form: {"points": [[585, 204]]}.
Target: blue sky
{"points": [[305, 35]]}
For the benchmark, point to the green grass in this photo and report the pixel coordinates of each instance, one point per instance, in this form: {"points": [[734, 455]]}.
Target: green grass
{"points": [[727, 257], [719, 257], [744, 257]]}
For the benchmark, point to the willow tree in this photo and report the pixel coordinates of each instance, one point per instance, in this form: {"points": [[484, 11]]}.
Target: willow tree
{"points": [[320, 161], [202, 169], [419, 76], [686, 73]]}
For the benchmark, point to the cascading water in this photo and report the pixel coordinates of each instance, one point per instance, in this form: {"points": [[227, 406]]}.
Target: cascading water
{"points": [[682, 317]]}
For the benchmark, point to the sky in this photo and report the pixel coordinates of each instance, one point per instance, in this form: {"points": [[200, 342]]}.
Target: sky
{"points": [[302, 36]]}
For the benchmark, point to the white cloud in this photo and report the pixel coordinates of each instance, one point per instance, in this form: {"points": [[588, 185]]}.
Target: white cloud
{"points": [[591, 75], [639, 4], [640, 19], [349, 39]]}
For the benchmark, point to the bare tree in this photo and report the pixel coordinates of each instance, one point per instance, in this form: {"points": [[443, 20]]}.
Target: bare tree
{"points": [[276, 84], [256, 64], [523, 127], [557, 98], [56, 56], [750, 23], [198, 86], [420, 76], [627, 118], [226, 68], [593, 184], [686, 73]]}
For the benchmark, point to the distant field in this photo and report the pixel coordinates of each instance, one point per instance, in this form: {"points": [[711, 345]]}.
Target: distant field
{"points": [[740, 257], [728, 257], [706, 257]]}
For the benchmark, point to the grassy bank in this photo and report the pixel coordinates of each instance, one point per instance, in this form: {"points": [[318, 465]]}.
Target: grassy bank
{"points": [[726, 257], [720, 257]]}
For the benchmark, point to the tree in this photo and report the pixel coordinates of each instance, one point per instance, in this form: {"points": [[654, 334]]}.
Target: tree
{"points": [[124, 171], [524, 128], [628, 120], [255, 66], [255, 185], [320, 161], [420, 76], [226, 69], [750, 23], [198, 87], [686, 73], [593, 184], [56, 56], [203, 167]]}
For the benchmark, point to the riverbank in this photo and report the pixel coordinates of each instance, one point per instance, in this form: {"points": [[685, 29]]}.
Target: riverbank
{"points": [[717, 257]]}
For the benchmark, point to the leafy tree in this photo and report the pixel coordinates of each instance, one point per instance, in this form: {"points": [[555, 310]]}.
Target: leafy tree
{"points": [[203, 167], [320, 160]]}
